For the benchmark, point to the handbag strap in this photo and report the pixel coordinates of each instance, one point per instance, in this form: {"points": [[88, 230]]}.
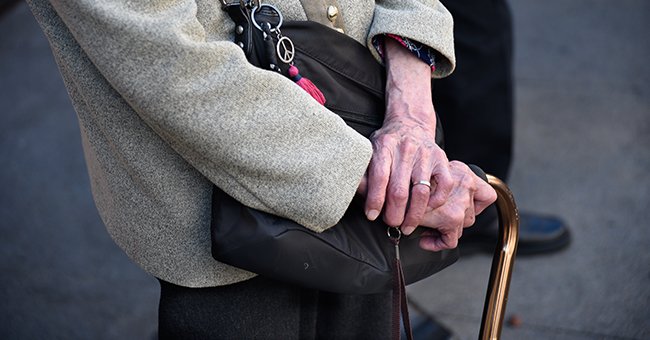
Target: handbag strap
{"points": [[258, 33], [400, 304]]}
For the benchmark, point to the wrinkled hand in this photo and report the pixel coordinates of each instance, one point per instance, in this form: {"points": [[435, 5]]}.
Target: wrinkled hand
{"points": [[470, 195], [405, 153], [404, 149]]}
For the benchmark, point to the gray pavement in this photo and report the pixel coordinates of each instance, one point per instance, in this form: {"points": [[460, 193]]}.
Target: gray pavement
{"points": [[582, 151]]}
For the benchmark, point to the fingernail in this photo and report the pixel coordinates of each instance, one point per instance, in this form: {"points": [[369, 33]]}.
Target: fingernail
{"points": [[372, 214], [407, 230]]}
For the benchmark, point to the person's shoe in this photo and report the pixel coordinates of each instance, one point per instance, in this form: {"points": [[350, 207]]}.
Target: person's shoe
{"points": [[538, 234]]}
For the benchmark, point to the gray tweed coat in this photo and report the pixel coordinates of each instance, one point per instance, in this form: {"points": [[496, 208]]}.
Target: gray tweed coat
{"points": [[169, 106]]}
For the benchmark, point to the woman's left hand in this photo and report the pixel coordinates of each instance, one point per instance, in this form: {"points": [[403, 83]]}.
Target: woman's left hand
{"points": [[469, 197]]}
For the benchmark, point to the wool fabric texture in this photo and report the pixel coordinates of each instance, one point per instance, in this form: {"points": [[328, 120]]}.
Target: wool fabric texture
{"points": [[168, 107]]}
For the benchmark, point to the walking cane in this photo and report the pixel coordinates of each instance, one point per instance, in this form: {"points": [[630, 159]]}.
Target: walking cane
{"points": [[502, 262]]}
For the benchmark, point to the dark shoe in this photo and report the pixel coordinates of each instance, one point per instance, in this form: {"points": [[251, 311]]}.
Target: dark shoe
{"points": [[538, 234]]}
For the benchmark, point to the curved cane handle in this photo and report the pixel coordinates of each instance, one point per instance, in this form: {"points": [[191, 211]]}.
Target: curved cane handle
{"points": [[502, 262]]}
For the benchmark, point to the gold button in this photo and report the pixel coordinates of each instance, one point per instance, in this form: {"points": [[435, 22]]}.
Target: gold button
{"points": [[332, 13]]}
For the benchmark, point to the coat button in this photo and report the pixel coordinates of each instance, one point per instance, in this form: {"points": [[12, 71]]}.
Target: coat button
{"points": [[332, 13]]}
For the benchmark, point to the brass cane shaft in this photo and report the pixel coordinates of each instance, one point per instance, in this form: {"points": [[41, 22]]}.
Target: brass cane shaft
{"points": [[502, 262]]}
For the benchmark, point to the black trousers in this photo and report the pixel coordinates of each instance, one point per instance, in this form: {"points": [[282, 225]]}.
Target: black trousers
{"points": [[262, 308], [475, 102]]}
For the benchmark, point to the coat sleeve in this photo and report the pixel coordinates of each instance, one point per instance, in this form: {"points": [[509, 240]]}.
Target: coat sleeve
{"points": [[252, 132], [425, 21]]}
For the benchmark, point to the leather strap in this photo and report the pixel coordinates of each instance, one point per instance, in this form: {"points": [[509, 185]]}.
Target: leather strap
{"points": [[243, 26], [400, 304]]}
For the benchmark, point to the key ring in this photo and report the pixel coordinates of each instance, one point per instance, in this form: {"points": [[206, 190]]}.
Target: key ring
{"points": [[394, 233], [258, 8]]}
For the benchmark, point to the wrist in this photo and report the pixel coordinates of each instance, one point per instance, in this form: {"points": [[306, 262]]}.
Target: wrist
{"points": [[408, 86]]}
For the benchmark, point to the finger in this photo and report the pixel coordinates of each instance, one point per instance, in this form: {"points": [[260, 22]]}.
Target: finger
{"points": [[441, 241], [420, 192], [362, 189], [431, 243], [444, 183], [378, 176], [468, 183], [428, 240], [445, 226], [470, 217], [484, 196], [450, 240], [399, 183], [417, 206]]}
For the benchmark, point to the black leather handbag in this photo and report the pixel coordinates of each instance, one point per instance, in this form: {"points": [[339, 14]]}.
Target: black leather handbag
{"points": [[355, 256]]}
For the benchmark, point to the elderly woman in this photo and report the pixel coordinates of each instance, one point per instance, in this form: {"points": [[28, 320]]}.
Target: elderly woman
{"points": [[169, 106]]}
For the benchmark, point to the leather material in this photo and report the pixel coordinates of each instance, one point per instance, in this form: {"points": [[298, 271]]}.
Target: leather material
{"points": [[241, 17], [356, 256], [351, 80]]}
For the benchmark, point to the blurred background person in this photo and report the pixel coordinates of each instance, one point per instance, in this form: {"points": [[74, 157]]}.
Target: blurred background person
{"points": [[475, 105]]}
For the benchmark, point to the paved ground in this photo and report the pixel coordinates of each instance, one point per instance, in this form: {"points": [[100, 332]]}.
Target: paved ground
{"points": [[582, 150]]}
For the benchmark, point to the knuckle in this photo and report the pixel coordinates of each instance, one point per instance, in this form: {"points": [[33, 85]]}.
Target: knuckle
{"points": [[450, 241], [440, 153], [383, 139], [408, 146], [436, 201], [430, 144], [382, 154], [398, 194], [467, 183], [456, 216], [469, 221], [459, 166], [378, 171], [420, 190]]}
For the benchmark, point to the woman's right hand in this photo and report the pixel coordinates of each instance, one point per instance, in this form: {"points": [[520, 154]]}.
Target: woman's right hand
{"points": [[469, 196]]}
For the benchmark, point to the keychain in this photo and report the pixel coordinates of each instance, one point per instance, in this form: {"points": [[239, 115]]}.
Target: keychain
{"points": [[268, 19]]}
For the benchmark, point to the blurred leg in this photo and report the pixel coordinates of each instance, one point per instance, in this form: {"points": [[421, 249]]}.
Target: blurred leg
{"points": [[262, 308], [253, 309], [475, 103]]}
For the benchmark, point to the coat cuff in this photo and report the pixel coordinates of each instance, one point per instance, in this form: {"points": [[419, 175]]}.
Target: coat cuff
{"points": [[423, 52], [436, 30]]}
